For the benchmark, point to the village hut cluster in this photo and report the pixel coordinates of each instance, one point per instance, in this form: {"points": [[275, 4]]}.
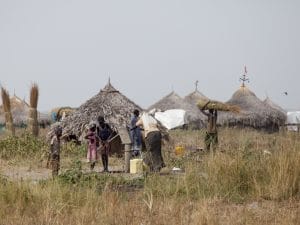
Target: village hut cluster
{"points": [[243, 109]]}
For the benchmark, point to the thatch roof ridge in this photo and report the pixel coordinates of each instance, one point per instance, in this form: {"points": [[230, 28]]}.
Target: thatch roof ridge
{"points": [[109, 88], [115, 107], [170, 100], [246, 98], [195, 96]]}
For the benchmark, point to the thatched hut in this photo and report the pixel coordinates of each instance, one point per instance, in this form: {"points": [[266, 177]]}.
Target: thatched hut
{"points": [[194, 117], [254, 113], [109, 103]]}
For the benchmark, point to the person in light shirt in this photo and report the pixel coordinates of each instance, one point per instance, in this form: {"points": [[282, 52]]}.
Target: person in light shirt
{"points": [[153, 140]]}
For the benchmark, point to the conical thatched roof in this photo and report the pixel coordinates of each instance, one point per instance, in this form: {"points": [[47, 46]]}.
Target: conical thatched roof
{"points": [[254, 113], [174, 101], [19, 110], [109, 103], [195, 97]]}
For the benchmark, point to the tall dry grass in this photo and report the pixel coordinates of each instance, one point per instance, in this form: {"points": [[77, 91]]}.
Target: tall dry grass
{"points": [[252, 179], [7, 111], [33, 125]]}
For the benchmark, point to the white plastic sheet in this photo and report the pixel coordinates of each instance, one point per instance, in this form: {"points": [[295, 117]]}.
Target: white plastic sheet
{"points": [[293, 118], [171, 118]]}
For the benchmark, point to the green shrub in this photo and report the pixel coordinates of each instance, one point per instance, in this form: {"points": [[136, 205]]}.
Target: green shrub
{"points": [[24, 146]]}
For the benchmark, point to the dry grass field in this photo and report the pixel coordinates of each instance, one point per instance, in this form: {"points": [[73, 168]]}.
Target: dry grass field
{"points": [[253, 178]]}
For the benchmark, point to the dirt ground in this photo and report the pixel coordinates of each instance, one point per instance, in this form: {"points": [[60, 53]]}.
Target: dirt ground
{"points": [[16, 172]]}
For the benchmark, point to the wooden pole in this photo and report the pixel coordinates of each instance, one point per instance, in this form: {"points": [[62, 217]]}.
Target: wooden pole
{"points": [[127, 157]]}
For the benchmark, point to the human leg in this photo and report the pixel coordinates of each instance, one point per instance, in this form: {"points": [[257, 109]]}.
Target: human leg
{"points": [[55, 165]]}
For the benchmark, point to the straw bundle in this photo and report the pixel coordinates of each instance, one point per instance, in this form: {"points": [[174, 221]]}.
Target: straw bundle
{"points": [[34, 95], [212, 104], [33, 115], [7, 111]]}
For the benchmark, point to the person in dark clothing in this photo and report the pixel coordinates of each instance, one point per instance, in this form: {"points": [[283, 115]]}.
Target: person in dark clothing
{"points": [[105, 133], [135, 134]]}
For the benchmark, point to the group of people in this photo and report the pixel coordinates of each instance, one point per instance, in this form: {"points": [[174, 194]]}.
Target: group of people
{"points": [[142, 128], [100, 134]]}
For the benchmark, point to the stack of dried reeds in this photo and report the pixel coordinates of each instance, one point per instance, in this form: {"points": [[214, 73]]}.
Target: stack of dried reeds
{"points": [[33, 125], [7, 111], [220, 106]]}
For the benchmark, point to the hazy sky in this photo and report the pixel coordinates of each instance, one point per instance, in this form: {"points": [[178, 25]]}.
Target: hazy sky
{"points": [[148, 48]]}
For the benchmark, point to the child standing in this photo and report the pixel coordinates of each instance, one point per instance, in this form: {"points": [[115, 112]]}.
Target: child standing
{"points": [[92, 138]]}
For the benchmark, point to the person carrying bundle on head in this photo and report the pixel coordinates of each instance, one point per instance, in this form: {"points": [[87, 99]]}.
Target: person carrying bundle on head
{"points": [[211, 136]]}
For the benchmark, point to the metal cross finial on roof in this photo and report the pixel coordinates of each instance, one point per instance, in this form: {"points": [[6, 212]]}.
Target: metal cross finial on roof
{"points": [[244, 77], [108, 79], [196, 85]]}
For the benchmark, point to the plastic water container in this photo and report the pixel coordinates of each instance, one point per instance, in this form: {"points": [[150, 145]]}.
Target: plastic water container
{"points": [[179, 150], [136, 166]]}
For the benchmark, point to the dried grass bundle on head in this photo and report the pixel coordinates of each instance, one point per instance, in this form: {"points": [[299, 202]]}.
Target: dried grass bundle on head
{"points": [[7, 111], [212, 104], [33, 115]]}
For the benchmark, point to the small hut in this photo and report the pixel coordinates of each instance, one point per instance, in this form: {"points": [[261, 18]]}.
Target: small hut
{"points": [[109, 103], [254, 113], [194, 117]]}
